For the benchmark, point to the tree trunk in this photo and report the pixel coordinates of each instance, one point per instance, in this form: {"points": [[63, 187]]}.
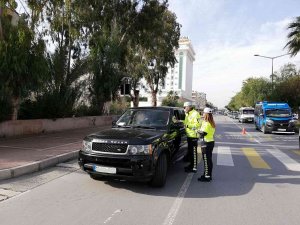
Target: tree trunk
{"points": [[1, 31], [136, 98], [154, 100], [15, 107]]}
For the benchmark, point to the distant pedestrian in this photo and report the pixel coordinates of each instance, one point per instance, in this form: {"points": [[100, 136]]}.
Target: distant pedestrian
{"points": [[207, 131], [192, 124]]}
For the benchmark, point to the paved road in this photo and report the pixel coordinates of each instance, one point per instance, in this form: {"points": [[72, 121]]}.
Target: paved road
{"points": [[256, 181]]}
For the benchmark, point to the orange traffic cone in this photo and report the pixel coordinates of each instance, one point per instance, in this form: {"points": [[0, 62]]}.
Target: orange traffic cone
{"points": [[243, 131]]}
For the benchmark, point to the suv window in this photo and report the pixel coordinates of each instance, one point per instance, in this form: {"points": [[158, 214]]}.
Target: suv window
{"points": [[144, 117]]}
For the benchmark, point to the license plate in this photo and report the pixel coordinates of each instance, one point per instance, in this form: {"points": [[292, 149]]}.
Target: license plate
{"points": [[281, 129], [104, 169], [249, 119]]}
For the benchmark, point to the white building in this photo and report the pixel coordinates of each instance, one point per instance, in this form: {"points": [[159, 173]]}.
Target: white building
{"points": [[199, 98], [180, 78]]}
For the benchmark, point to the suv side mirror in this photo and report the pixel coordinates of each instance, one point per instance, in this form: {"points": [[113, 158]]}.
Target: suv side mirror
{"points": [[113, 123]]}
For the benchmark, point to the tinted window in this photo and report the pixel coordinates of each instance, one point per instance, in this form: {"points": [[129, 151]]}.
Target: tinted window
{"points": [[144, 117]]}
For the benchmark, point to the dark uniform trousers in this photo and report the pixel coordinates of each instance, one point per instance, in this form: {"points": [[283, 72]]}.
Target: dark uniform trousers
{"points": [[207, 158], [192, 152]]}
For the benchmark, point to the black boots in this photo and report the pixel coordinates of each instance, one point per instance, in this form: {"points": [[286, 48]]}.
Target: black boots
{"points": [[189, 169], [205, 178]]}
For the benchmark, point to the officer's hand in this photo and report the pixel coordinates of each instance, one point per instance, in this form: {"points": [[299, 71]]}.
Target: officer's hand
{"points": [[174, 119]]}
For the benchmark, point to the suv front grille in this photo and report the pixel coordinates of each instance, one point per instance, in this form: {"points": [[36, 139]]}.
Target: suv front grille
{"points": [[285, 122], [109, 148]]}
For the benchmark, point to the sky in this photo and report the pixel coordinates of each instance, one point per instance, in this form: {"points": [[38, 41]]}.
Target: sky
{"points": [[226, 34]]}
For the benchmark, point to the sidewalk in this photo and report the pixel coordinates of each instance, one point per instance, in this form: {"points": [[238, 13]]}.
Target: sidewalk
{"points": [[23, 155]]}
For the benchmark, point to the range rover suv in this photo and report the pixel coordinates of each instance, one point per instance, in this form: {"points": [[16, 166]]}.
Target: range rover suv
{"points": [[139, 146]]}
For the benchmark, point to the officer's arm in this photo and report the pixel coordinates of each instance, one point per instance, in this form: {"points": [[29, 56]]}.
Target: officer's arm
{"points": [[202, 133]]}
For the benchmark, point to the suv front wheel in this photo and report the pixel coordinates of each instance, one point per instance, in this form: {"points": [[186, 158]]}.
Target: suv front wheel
{"points": [[159, 178]]}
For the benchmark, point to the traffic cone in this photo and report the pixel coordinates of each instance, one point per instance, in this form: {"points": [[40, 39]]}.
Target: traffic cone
{"points": [[243, 131]]}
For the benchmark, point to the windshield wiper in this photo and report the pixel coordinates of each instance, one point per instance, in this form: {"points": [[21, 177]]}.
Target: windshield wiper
{"points": [[144, 127], [124, 126]]}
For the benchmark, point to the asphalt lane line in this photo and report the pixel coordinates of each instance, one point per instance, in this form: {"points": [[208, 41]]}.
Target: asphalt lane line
{"points": [[288, 162], [169, 220], [254, 158], [224, 157]]}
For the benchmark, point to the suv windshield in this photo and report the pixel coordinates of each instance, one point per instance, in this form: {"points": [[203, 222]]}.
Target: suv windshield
{"points": [[278, 113], [248, 111], [144, 118]]}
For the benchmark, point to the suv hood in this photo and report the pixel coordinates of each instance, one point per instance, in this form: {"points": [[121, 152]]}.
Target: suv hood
{"points": [[128, 135]]}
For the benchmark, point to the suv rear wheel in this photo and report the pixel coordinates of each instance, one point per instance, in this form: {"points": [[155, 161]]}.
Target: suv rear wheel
{"points": [[159, 178]]}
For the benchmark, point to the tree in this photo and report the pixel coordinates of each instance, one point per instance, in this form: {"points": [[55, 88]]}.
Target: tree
{"points": [[172, 99], [252, 91], [287, 71], [293, 36], [287, 88], [23, 65], [68, 62], [160, 46]]}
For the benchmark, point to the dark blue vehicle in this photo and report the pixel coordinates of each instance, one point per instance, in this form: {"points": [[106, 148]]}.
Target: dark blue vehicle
{"points": [[274, 117]]}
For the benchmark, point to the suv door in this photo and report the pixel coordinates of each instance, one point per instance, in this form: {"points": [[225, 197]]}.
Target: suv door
{"points": [[179, 114]]}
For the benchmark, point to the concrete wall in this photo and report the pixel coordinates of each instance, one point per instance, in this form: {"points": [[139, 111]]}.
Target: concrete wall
{"points": [[25, 127]]}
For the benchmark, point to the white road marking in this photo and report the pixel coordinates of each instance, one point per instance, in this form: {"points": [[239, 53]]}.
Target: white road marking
{"points": [[112, 215], [254, 144], [178, 201], [224, 157], [288, 162]]}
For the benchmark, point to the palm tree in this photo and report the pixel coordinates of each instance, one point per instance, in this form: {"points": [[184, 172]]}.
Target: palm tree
{"points": [[294, 37]]}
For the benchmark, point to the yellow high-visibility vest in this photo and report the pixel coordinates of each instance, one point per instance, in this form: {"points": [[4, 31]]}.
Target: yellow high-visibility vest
{"points": [[206, 127], [192, 123]]}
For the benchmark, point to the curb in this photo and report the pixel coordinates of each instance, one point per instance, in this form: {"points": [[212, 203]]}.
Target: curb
{"points": [[37, 166]]}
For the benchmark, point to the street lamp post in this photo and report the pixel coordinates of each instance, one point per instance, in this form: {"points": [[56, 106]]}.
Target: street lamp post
{"points": [[272, 58]]}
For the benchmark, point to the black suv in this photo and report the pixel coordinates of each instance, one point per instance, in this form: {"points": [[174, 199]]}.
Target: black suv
{"points": [[139, 146]]}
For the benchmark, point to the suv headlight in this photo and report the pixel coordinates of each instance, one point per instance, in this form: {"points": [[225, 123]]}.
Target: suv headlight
{"points": [[140, 149], [86, 146], [270, 122]]}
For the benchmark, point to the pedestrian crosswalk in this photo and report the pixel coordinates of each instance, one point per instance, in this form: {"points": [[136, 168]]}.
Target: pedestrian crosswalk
{"points": [[257, 158], [224, 156]]}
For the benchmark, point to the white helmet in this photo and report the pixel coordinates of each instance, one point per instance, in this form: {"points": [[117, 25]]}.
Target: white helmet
{"points": [[187, 104], [207, 110]]}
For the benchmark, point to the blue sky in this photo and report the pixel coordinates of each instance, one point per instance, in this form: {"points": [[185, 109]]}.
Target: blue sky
{"points": [[227, 33]]}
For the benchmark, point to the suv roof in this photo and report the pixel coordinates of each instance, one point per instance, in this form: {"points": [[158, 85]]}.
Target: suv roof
{"points": [[157, 107]]}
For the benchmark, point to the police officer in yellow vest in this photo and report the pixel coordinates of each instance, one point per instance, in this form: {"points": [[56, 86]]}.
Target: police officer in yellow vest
{"points": [[192, 124], [207, 132]]}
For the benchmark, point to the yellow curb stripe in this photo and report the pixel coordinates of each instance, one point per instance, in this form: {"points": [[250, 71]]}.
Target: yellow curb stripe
{"points": [[297, 152], [254, 158]]}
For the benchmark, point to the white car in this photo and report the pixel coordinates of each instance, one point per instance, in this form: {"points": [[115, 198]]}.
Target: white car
{"points": [[246, 114]]}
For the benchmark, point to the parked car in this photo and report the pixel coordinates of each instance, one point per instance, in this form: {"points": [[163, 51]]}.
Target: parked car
{"points": [[140, 145], [235, 115], [246, 114]]}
